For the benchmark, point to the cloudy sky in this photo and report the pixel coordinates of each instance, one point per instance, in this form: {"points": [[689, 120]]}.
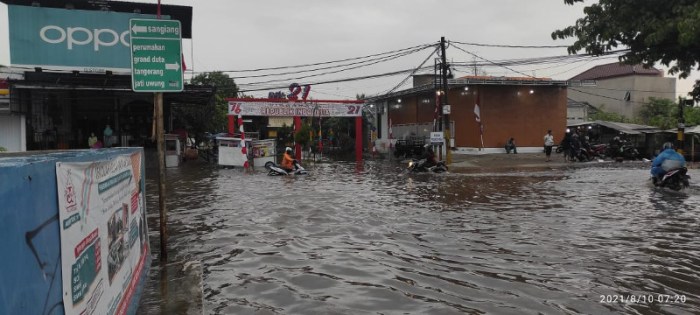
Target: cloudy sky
{"points": [[241, 35]]}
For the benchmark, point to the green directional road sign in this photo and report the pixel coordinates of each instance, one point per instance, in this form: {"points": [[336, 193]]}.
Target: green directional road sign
{"points": [[156, 50]]}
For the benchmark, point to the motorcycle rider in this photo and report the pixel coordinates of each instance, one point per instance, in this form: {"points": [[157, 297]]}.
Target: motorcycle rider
{"points": [[667, 160], [429, 156], [287, 160]]}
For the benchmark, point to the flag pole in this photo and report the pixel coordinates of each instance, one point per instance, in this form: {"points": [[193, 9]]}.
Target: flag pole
{"points": [[482, 136]]}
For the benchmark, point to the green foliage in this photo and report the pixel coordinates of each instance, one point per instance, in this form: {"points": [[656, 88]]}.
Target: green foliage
{"points": [[608, 116], [654, 31], [200, 118], [284, 134], [692, 116], [303, 136], [2, 149], [662, 113]]}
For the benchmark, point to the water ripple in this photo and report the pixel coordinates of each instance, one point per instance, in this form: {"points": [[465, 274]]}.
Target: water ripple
{"points": [[373, 239]]}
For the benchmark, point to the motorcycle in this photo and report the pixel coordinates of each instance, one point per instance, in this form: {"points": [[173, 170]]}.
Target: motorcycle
{"points": [[598, 150], [675, 179], [420, 166], [275, 170], [629, 152]]}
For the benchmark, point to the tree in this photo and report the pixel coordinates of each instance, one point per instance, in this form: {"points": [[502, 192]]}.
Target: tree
{"points": [[601, 114], [652, 31], [201, 118], [662, 113], [303, 136]]}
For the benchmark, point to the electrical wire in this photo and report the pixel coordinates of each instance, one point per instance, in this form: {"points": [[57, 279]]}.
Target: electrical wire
{"points": [[329, 62], [482, 58], [603, 96], [437, 48], [373, 76], [320, 74], [385, 58], [511, 46]]}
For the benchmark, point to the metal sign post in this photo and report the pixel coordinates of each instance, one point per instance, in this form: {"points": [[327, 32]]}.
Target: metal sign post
{"points": [[156, 50]]}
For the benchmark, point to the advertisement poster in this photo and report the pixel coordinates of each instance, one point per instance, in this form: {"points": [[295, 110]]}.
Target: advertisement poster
{"points": [[104, 236]]}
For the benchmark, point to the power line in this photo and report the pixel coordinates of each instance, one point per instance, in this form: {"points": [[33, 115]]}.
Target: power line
{"points": [[319, 74], [413, 72], [373, 76], [385, 58], [475, 55], [603, 96], [510, 46], [329, 62]]}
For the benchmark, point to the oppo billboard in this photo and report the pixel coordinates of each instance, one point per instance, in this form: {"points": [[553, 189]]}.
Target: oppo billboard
{"points": [[61, 39]]}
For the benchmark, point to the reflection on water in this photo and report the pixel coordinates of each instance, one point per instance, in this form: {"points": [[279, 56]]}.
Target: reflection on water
{"points": [[371, 239]]}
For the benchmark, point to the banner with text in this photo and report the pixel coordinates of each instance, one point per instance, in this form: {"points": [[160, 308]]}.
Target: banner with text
{"points": [[63, 39], [104, 236], [308, 109]]}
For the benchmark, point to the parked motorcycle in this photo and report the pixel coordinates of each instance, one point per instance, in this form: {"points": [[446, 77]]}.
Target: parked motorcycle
{"points": [[629, 152], [676, 179], [621, 149], [275, 170], [598, 150], [420, 166]]}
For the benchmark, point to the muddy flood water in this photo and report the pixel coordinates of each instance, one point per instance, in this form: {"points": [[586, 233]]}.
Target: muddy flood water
{"points": [[372, 239]]}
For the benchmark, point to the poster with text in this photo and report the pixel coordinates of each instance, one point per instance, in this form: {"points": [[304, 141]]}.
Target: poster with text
{"points": [[104, 239]]}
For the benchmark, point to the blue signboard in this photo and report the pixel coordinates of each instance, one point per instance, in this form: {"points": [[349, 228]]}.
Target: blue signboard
{"points": [[62, 39]]}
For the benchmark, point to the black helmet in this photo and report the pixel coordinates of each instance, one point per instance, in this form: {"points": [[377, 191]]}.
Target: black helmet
{"points": [[428, 147], [667, 145], [288, 149]]}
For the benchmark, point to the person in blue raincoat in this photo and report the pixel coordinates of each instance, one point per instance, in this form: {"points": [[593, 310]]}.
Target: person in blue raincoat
{"points": [[666, 161]]}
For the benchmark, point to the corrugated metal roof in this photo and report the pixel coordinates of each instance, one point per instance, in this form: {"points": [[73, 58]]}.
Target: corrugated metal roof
{"points": [[632, 129], [617, 69], [688, 130]]}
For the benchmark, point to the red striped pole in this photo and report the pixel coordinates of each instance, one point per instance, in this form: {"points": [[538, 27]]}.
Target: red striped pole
{"points": [[244, 150]]}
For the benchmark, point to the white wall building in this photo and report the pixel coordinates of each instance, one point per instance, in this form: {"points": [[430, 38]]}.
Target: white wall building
{"points": [[622, 89]]}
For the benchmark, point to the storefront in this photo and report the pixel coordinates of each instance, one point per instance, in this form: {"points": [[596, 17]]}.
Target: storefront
{"points": [[71, 63], [63, 110]]}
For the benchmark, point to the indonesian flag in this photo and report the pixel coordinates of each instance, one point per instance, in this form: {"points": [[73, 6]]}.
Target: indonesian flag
{"points": [[477, 113]]}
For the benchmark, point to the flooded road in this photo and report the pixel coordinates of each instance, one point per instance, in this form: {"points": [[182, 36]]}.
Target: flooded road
{"points": [[372, 239]]}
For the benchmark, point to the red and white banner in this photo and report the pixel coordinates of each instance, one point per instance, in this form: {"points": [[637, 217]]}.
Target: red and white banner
{"points": [[271, 108]]}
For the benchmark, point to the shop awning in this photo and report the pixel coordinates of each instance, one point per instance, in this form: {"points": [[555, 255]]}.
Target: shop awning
{"points": [[191, 94], [632, 129]]}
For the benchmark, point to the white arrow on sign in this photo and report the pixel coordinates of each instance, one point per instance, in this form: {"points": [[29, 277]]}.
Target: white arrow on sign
{"points": [[137, 29], [172, 66]]}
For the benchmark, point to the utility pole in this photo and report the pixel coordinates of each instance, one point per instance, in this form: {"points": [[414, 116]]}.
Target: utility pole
{"points": [[443, 103], [681, 126]]}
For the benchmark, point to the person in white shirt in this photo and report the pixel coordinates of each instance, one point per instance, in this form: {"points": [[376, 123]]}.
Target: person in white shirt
{"points": [[548, 144]]}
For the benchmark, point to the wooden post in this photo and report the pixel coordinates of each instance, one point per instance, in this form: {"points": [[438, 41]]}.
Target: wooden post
{"points": [[158, 102]]}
